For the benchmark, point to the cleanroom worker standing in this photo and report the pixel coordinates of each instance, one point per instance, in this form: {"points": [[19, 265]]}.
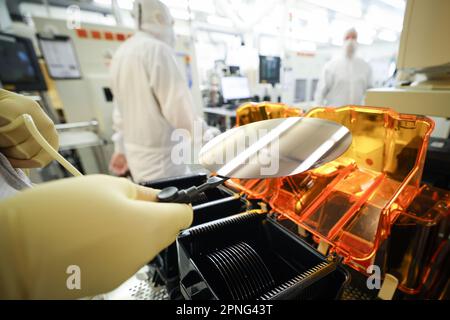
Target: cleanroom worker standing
{"points": [[76, 237], [151, 97], [345, 79]]}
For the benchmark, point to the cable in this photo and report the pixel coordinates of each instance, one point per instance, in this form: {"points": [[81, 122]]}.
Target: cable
{"points": [[31, 126]]}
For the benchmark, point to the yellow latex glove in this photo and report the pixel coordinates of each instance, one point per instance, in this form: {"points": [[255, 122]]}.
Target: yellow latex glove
{"points": [[107, 226], [18, 145]]}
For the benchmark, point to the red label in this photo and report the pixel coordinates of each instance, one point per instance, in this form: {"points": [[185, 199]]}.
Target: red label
{"points": [[82, 33], [96, 34], [120, 37], [109, 35]]}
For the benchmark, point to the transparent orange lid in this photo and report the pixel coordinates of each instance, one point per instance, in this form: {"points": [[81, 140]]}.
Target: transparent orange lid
{"points": [[252, 112], [419, 235], [350, 203]]}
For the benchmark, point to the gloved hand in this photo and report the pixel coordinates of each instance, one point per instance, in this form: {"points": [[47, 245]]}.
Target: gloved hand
{"points": [[18, 145], [107, 226]]}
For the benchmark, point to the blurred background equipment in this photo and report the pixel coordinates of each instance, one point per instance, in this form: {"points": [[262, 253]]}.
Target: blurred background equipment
{"points": [[269, 70], [235, 88], [19, 65], [60, 57]]}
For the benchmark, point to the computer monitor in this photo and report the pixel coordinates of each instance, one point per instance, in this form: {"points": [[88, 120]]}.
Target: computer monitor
{"points": [[19, 66], [60, 57], [269, 69], [424, 42], [235, 88]]}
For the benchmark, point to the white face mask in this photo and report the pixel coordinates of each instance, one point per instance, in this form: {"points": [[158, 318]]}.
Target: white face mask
{"points": [[350, 47]]}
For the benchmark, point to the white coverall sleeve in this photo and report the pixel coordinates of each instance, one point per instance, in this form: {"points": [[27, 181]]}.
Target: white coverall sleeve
{"points": [[117, 138], [171, 90], [323, 86], [79, 237]]}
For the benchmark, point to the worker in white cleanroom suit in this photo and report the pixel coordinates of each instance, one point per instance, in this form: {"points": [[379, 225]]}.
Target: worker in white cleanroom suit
{"points": [[151, 96], [346, 78]]}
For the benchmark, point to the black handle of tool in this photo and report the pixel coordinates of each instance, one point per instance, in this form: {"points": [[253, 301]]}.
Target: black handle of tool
{"points": [[174, 195]]}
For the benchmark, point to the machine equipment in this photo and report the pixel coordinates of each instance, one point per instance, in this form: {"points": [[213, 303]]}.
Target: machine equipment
{"points": [[352, 206], [269, 69], [19, 66], [422, 84], [299, 237], [423, 64]]}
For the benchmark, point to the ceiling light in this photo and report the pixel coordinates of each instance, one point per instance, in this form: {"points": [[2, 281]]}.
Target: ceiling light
{"points": [[180, 14], [347, 7], [387, 35], [103, 3], [399, 4], [125, 4], [219, 21]]}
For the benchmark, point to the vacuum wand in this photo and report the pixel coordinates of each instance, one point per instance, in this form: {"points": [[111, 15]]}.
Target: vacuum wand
{"points": [[192, 194]]}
